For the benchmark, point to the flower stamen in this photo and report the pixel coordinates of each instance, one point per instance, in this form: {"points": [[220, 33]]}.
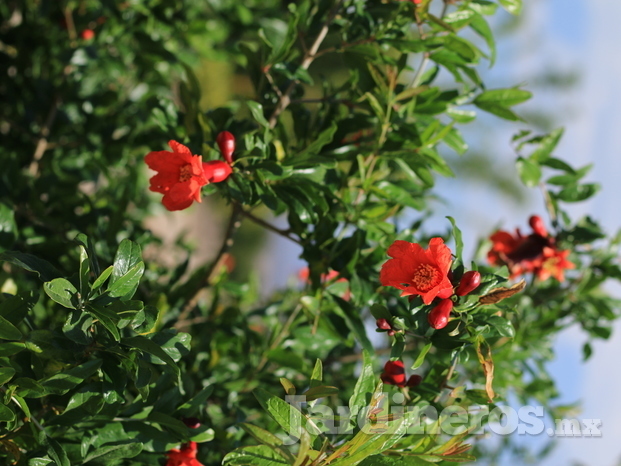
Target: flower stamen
{"points": [[185, 173], [425, 277]]}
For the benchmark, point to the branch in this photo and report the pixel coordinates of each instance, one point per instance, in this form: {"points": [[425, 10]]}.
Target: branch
{"points": [[42, 144], [309, 56], [269, 226], [227, 243]]}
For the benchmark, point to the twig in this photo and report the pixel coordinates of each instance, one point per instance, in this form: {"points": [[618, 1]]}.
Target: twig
{"points": [[269, 226], [227, 243], [448, 377], [309, 56], [42, 144], [345, 46], [281, 335]]}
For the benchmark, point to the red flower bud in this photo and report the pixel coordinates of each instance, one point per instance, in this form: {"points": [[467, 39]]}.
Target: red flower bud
{"points": [[87, 34], [394, 373], [216, 170], [439, 315], [383, 324], [414, 380], [226, 143], [469, 282], [536, 223]]}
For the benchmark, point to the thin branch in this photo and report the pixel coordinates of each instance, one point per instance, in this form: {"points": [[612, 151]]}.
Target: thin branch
{"points": [[342, 47], [309, 56], [281, 335], [448, 377], [42, 144], [269, 226], [227, 243]]}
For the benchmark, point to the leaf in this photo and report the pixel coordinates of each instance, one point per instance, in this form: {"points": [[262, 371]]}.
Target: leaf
{"points": [[6, 374], [287, 416], [578, 193], [365, 385], [512, 6], [8, 331], [261, 435], [42, 268], [488, 367], [108, 454], [320, 391], [288, 386], [62, 291], [127, 256], [257, 112], [547, 144], [459, 243], [504, 326], [420, 359], [77, 327], [314, 148], [498, 294], [61, 383], [317, 375], [85, 270], [102, 278], [503, 97], [54, 450], [106, 318], [125, 286], [529, 170], [260, 455], [8, 227], [148, 346], [6, 413]]}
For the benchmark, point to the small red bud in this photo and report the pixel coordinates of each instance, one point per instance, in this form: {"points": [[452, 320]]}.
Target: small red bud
{"points": [[469, 282], [394, 373], [439, 315], [87, 34], [414, 380], [226, 143], [383, 324], [217, 170], [391, 333], [536, 223]]}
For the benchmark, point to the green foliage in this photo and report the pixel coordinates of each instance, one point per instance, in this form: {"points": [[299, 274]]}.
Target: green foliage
{"points": [[341, 126]]}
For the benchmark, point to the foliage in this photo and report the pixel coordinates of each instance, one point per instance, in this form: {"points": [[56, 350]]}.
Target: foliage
{"points": [[105, 351]]}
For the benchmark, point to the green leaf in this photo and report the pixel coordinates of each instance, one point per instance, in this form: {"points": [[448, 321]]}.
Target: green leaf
{"points": [[77, 327], [149, 347], [125, 286], [261, 435], [11, 348], [107, 454], [42, 268], [547, 144], [8, 227], [512, 6], [529, 170], [61, 383], [54, 450], [257, 112], [288, 417], [260, 455], [15, 308], [404, 460], [503, 97], [8, 331], [420, 359], [578, 193], [6, 413], [502, 325], [107, 318], [459, 243], [320, 391], [317, 375], [6, 374], [85, 270], [62, 291], [102, 278], [314, 148], [127, 270], [365, 385]]}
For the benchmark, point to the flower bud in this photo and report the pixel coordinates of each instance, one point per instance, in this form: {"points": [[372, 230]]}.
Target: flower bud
{"points": [[216, 170], [468, 283], [226, 143], [87, 34], [536, 223], [383, 324], [394, 373], [414, 380], [439, 315]]}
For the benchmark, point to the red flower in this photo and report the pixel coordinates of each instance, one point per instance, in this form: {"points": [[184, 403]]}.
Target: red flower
{"points": [[186, 456], [216, 171], [180, 176], [535, 253], [419, 271]]}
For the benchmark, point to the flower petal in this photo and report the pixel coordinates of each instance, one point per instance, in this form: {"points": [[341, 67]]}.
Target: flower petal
{"points": [[179, 148]]}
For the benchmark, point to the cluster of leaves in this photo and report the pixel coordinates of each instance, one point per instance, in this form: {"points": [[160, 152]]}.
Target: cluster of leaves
{"points": [[352, 102]]}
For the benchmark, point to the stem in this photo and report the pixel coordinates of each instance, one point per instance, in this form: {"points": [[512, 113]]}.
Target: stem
{"points": [[281, 335], [269, 226], [309, 56], [227, 243], [448, 377]]}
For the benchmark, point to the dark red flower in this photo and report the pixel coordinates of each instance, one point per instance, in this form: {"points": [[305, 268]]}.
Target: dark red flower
{"points": [[394, 373], [527, 254], [419, 271], [185, 456], [414, 380], [439, 316], [180, 176]]}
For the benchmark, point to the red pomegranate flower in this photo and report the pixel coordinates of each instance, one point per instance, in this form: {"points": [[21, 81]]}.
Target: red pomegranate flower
{"points": [[536, 253], [419, 271], [186, 456], [180, 176]]}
